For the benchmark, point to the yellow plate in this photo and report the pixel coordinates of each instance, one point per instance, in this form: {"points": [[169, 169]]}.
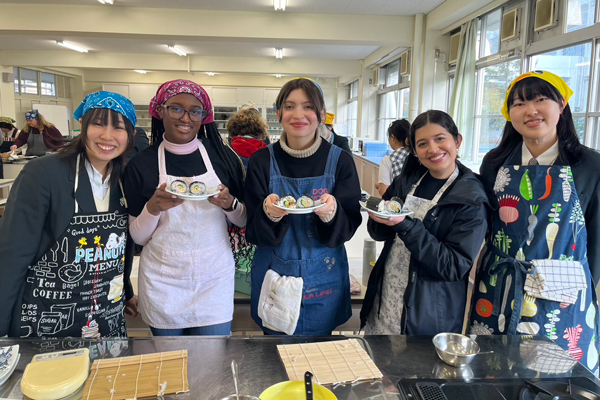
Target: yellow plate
{"points": [[294, 390]]}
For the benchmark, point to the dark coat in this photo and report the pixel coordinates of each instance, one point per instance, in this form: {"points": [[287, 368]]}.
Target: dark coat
{"points": [[341, 142], [39, 209], [586, 177], [443, 249]]}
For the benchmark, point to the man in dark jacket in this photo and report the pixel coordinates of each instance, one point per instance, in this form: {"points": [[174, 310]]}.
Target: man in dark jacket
{"points": [[140, 142], [332, 137]]}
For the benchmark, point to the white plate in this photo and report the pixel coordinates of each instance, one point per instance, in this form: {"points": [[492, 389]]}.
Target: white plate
{"points": [[307, 210], [193, 197], [8, 361], [384, 215]]}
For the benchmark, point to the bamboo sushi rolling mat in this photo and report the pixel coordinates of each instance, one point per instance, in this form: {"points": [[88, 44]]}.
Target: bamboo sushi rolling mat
{"points": [[334, 362], [147, 375]]}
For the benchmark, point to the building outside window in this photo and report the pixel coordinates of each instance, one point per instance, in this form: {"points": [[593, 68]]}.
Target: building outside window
{"points": [[48, 84], [29, 81]]}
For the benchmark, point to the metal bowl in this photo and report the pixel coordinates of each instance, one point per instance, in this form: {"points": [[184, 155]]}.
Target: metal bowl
{"points": [[454, 349]]}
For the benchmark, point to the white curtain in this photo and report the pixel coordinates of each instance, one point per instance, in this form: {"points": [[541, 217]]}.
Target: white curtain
{"points": [[462, 102]]}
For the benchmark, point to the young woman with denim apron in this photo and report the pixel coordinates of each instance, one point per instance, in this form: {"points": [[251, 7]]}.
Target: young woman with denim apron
{"points": [[307, 251], [63, 240], [540, 271]]}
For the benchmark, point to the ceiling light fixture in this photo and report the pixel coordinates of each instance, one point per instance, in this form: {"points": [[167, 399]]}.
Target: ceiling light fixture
{"points": [[210, 73], [277, 75], [71, 46], [140, 71], [177, 50], [279, 54], [106, 1], [279, 5]]}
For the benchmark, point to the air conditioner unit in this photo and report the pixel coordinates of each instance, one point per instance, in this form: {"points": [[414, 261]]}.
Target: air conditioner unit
{"points": [[454, 46], [376, 76], [8, 77], [405, 63], [545, 17], [510, 25]]}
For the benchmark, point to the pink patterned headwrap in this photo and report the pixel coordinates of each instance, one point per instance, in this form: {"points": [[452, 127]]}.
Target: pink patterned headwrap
{"points": [[172, 88]]}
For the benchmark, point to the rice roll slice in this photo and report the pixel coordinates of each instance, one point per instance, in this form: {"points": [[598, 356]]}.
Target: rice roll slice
{"points": [[197, 188], [373, 203], [394, 206], [287, 201], [305, 202], [178, 187]]}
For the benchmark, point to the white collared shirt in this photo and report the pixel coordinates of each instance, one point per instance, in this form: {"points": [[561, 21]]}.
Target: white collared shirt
{"points": [[546, 158], [100, 188]]}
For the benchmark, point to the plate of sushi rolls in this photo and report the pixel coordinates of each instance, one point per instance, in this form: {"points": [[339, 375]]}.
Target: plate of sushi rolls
{"points": [[303, 205], [194, 191], [385, 209]]}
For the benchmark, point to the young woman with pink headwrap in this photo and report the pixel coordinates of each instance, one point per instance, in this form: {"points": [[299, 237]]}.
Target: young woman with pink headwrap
{"points": [[186, 277]]}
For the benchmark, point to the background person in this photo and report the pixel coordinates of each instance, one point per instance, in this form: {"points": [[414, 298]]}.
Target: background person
{"points": [[391, 165], [40, 135]]}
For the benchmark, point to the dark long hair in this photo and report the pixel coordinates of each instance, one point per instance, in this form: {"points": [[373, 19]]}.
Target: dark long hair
{"points": [[400, 129], [209, 131], [77, 146], [569, 147], [432, 117], [312, 90]]}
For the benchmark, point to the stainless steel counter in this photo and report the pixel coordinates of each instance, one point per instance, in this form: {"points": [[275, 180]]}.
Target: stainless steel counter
{"points": [[397, 357]]}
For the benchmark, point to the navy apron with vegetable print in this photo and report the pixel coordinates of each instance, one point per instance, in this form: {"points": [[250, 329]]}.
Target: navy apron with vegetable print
{"points": [[326, 291], [540, 217], [77, 288]]}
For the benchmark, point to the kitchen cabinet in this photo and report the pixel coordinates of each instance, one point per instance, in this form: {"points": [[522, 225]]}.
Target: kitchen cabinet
{"points": [[368, 174], [275, 128], [144, 120]]}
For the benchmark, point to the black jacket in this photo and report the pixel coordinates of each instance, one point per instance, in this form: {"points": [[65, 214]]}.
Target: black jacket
{"points": [[341, 142], [587, 183], [39, 209], [443, 249]]}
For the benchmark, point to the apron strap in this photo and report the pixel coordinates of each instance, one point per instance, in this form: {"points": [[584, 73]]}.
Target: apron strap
{"points": [[520, 268], [440, 192], [274, 167], [76, 182], [123, 194], [332, 160]]}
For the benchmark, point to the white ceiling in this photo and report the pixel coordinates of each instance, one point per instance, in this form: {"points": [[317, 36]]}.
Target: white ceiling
{"points": [[370, 7], [208, 48]]}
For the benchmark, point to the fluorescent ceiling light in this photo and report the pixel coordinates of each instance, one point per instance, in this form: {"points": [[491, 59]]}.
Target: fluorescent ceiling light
{"points": [[71, 46], [279, 5], [106, 1], [177, 50], [140, 71], [277, 75], [279, 53], [210, 73]]}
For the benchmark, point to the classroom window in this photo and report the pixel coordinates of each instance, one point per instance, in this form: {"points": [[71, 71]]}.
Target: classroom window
{"points": [[352, 120], [29, 81], [580, 14], [392, 106], [353, 92], [48, 84], [491, 36], [573, 65], [392, 73], [16, 73], [492, 82], [595, 135]]}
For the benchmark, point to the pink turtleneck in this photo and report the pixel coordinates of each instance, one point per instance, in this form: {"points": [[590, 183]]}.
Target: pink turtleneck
{"points": [[181, 149]]}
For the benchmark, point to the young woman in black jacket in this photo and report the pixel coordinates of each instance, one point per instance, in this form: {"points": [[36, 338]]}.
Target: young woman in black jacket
{"points": [[419, 283]]}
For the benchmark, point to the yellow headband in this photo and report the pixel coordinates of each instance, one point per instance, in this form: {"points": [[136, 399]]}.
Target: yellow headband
{"points": [[329, 119], [549, 77]]}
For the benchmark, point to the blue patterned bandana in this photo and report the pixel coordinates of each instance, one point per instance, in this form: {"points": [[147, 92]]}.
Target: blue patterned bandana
{"points": [[110, 100], [31, 114]]}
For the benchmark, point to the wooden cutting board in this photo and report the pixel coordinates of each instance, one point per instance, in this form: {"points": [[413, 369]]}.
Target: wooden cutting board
{"points": [[338, 361]]}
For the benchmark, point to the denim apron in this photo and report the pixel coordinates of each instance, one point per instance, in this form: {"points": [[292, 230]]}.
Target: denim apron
{"points": [[540, 217], [326, 292]]}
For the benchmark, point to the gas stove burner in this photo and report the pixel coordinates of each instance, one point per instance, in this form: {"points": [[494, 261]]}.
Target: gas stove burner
{"points": [[556, 391]]}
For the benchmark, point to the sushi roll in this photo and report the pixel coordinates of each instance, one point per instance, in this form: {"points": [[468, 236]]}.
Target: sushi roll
{"points": [[178, 187], [394, 206], [375, 204], [305, 202], [287, 201], [197, 188]]}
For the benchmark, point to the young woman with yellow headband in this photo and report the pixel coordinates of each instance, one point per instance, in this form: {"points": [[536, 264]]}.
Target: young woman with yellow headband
{"points": [[543, 260]]}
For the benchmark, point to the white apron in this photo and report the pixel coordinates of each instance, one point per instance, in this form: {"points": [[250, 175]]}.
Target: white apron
{"points": [[387, 321], [186, 276]]}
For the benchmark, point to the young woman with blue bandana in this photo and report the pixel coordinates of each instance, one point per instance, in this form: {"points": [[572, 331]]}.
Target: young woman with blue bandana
{"points": [[67, 271], [300, 281]]}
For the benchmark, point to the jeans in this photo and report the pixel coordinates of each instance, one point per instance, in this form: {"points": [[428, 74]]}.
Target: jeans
{"points": [[223, 329]]}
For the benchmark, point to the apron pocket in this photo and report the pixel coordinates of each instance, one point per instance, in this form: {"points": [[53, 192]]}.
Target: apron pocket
{"points": [[197, 265], [556, 280]]}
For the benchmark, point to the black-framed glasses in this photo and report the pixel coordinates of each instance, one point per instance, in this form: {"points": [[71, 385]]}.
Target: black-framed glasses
{"points": [[196, 115]]}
